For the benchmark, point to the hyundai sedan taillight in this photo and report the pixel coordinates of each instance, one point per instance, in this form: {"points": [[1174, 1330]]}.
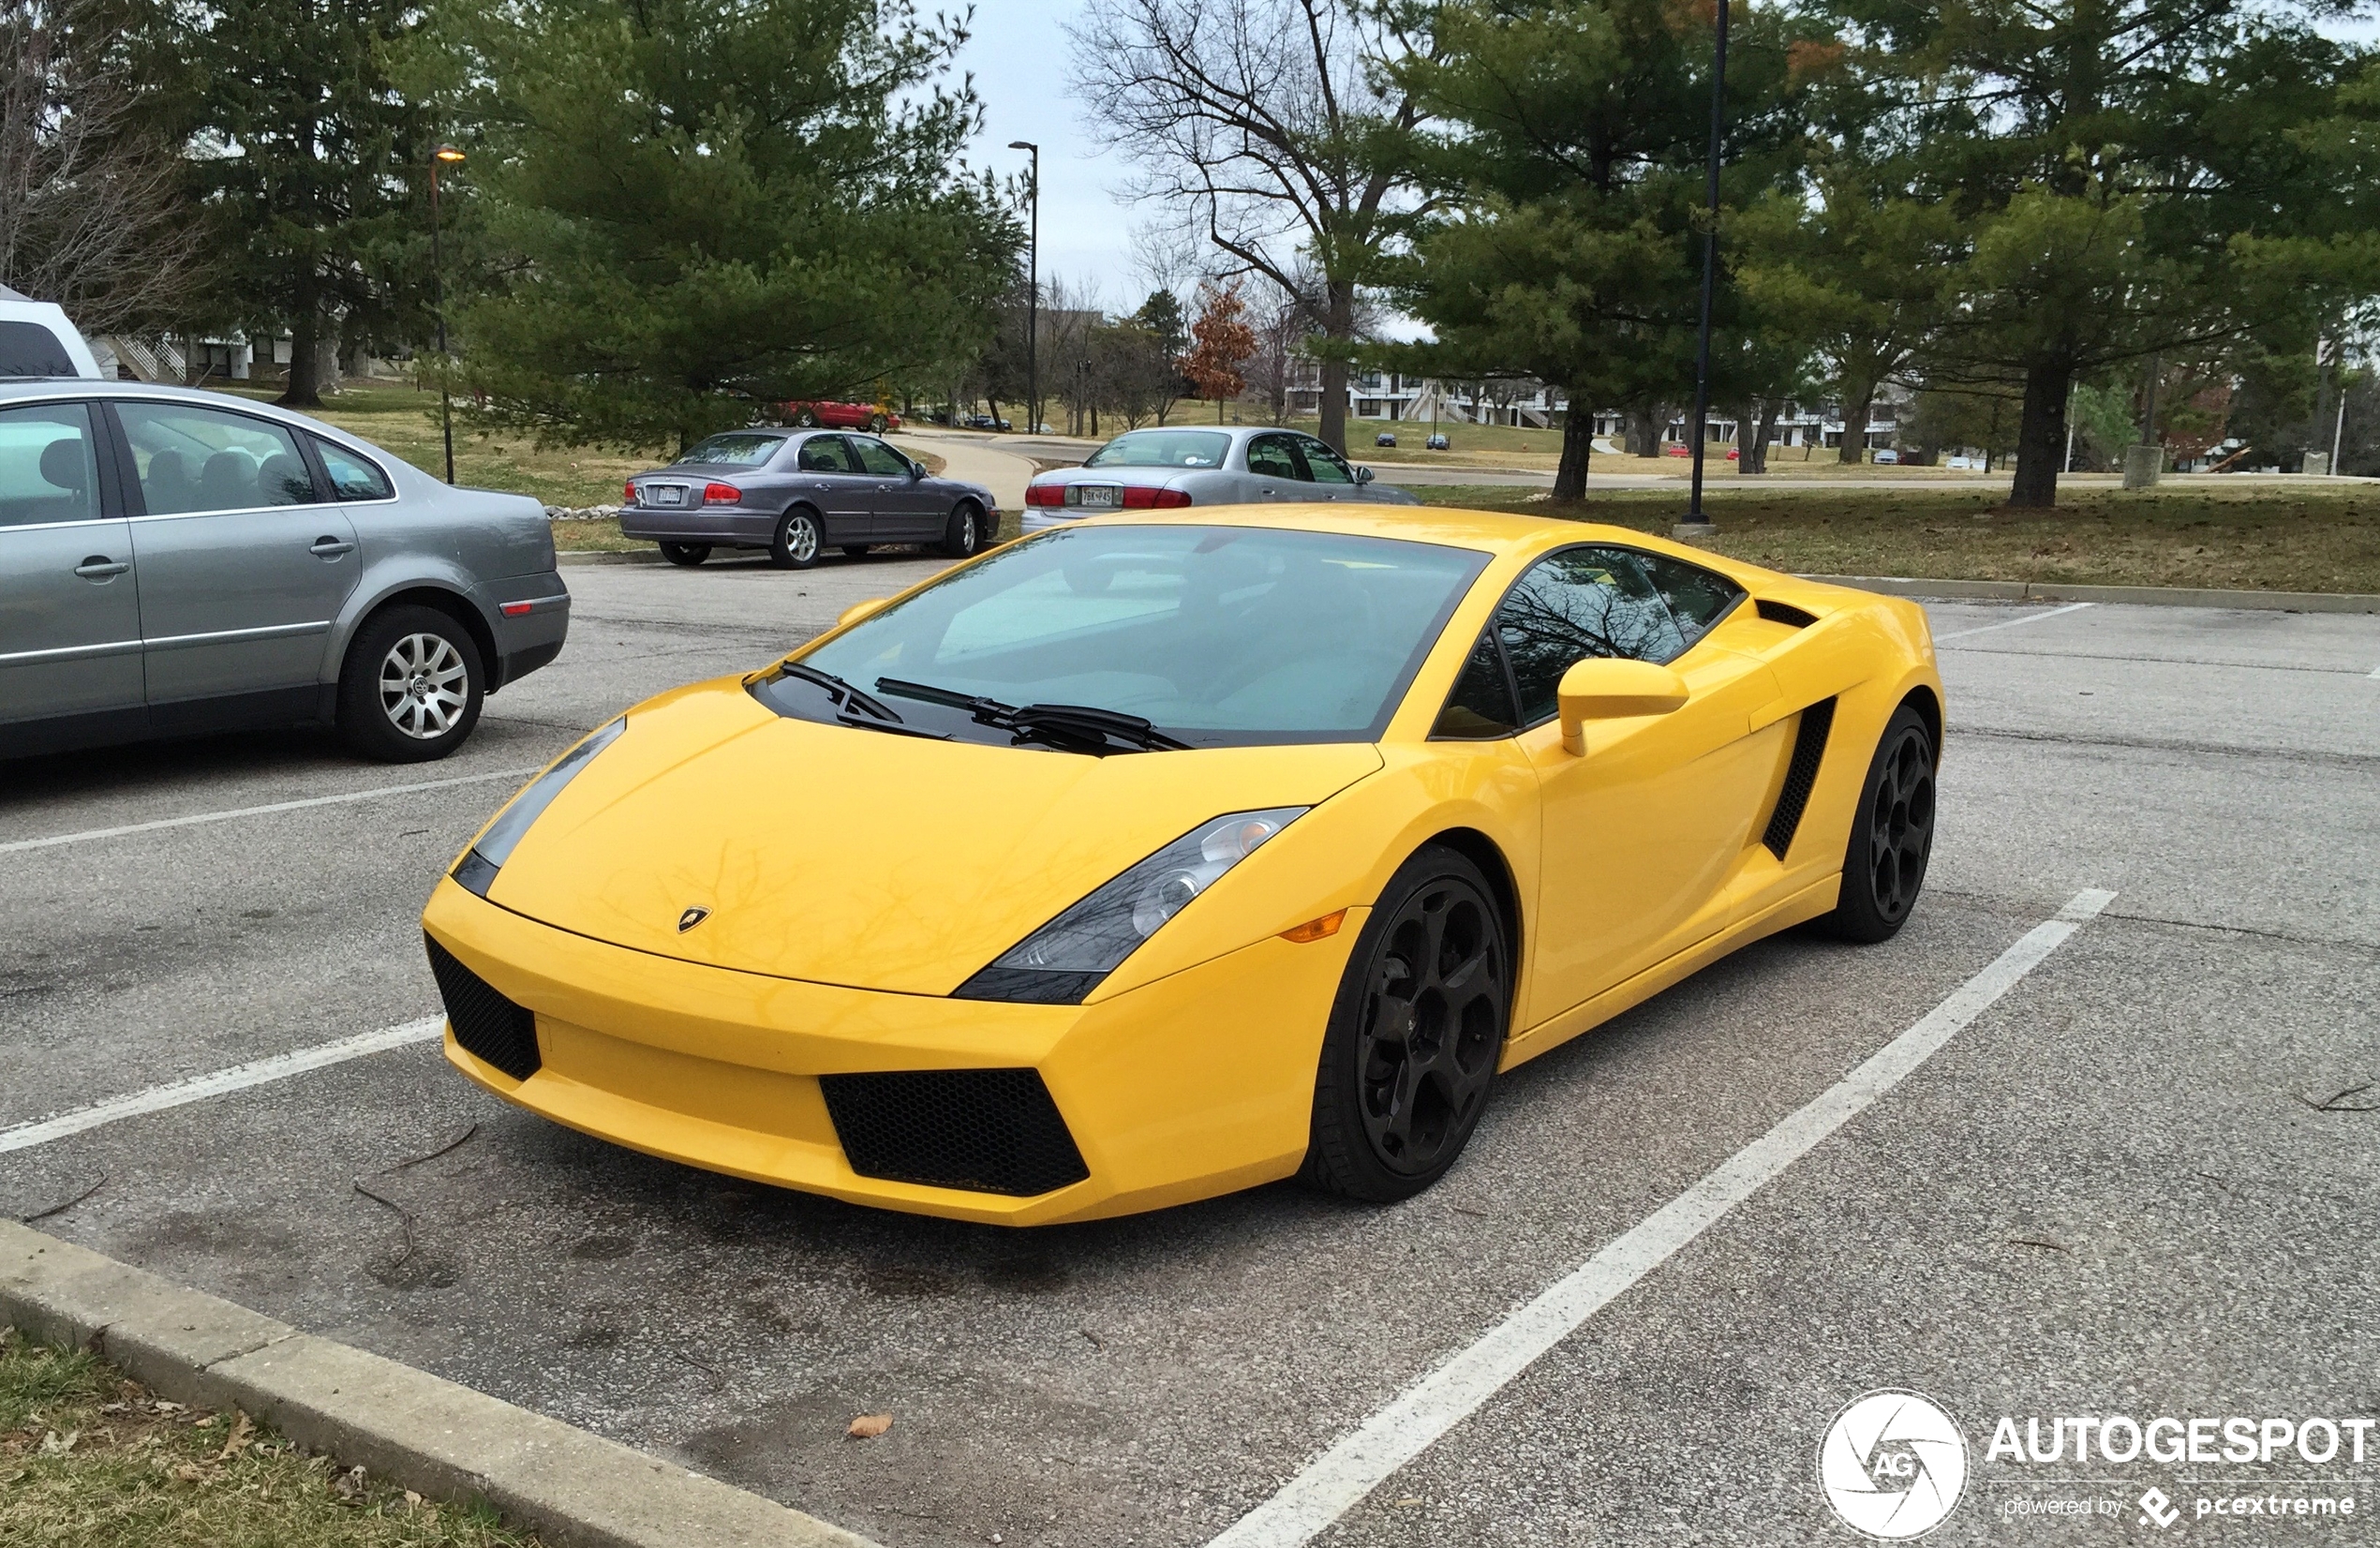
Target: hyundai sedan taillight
{"points": [[721, 494]]}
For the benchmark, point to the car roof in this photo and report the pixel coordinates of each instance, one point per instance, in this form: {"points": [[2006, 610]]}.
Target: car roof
{"points": [[28, 390]]}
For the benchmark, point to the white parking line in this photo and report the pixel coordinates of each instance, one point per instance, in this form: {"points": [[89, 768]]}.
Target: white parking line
{"points": [[87, 835], [2010, 623], [198, 1088], [1334, 1482]]}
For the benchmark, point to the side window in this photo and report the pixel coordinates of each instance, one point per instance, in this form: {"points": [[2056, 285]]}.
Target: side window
{"points": [[822, 454], [878, 458], [351, 477], [1326, 466], [1269, 456], [48, 470], [202, 459], [1576, 603], [1480, 706], [1697, 598]]}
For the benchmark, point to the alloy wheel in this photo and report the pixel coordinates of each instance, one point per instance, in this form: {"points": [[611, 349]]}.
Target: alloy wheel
{"points": [[1900, 825], [424, 686], [801, 539], [1431, 1024]]}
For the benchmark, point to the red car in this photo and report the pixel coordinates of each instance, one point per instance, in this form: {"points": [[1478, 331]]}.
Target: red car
{"points": [[842, 416], [1689, 451]]}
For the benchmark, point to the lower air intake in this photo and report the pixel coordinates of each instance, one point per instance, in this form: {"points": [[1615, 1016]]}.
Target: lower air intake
{"points": [[1801, 777], [984, 1130], [490, 1027]]}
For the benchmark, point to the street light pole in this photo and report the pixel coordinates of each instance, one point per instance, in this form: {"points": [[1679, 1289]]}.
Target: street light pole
{"points": [[1698, 523], [449, 155], [1033, 298]]}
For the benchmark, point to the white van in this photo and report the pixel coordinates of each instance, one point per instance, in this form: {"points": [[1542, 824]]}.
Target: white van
{"points": [[37, 340]]}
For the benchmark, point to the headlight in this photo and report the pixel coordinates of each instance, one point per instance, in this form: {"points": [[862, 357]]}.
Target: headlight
{"points": [[1066, 958], [477, 869]]}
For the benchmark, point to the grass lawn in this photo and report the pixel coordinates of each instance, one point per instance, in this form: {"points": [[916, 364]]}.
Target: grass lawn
{"points": [[2255, 537], [91, 1460]]}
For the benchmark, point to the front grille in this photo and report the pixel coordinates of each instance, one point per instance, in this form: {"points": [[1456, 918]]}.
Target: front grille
{"points": [[1801, 777], [986, 1130], [491, 1027]]}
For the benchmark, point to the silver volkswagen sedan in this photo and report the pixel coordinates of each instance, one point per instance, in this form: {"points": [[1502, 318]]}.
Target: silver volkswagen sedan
{"points": [[795, 492], [174, 561], [1200, 466]]}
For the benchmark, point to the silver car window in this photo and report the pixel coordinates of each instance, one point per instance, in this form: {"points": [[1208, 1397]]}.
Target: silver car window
{"points": [[1270, 457], [351, 477], [48, 471], [194, 459], [1162, 449], [878, 458], [822, 454], [1323, 465]]}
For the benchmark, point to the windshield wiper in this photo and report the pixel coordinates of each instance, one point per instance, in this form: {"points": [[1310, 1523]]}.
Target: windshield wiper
{"points": [[1079, 724], [847, 698]]}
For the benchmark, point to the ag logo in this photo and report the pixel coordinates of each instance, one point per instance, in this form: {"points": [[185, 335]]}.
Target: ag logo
{"points": [[1892, 1465]]}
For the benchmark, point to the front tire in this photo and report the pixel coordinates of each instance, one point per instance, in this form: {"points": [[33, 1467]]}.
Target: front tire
{"points": [[806, 418], [1415, 1033], [797, 540], [964, 534], [1892, 835], [876, 422], [412, 687], [686, 555]]}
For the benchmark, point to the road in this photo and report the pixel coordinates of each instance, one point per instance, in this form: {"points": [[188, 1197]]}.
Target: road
{"points": [[2116, 1190]]}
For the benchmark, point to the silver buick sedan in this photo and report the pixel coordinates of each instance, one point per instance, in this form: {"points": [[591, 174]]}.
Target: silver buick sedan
{"points": [[1205, 465], [176, 561], [795, 492]]}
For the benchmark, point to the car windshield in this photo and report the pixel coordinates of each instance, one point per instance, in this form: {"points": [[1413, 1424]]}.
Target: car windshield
{"points": [[1217, 636], [738, 448], [1162, 449]]}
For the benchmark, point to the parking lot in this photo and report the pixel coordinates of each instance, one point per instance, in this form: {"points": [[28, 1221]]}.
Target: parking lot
{"points": [[2131, 1185]]}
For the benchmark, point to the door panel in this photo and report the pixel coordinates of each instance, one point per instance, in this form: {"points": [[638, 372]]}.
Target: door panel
{"points": [[1331, 476], [825, 476], [69, 604], [906, 510], [1274, 470], [241, 570]]}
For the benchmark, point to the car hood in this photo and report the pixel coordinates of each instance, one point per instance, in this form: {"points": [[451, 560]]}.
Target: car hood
{"points": [[857, 858]]}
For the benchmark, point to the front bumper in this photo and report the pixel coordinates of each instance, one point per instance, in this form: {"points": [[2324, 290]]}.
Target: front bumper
{"points": [[1199, 1084]]}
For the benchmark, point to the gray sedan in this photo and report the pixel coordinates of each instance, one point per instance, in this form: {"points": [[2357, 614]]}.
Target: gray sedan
{"points": [[1202, 465], [795, 492], [176, 562]]}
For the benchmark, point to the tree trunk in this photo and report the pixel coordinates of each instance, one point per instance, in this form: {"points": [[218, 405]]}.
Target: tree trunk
{"points": [[1644, 428], [1578, 446], [2041, 435], [1855, 448], [1338, 327], [1751, 454], [304, 349]]}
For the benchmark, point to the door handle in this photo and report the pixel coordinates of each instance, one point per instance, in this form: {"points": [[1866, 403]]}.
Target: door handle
{"points": [[98, 567], [328, 548]]}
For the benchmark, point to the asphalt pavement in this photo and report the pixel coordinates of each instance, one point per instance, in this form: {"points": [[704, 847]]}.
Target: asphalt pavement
{"points": [[2131, 1185]]}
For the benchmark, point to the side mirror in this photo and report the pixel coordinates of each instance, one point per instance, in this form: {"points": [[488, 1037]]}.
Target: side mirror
{"points": [[859, 610], [1363, 475], [916, 471], [1601, 689]]}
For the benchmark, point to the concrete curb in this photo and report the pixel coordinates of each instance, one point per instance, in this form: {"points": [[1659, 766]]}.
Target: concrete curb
{"points": [[572, 1489], [598, 555], [2148, 596]]}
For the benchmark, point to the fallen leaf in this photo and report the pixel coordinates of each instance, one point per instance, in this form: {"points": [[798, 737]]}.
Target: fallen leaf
{"points": [[412, 1501], [188, 1473], [162, 1407], [242, 1433], [52, 1445], [869, 1426]]}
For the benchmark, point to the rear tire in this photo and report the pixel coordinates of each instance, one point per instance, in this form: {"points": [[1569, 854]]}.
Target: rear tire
{"points": [[1892, 835], [797, 540], [806, 418], [686, 554], [964, 534], [876, 422], [411, 685], [1415, 1033]]}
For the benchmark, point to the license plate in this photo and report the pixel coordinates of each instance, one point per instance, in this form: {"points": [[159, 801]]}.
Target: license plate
{"points": [[664, 495], [1103, 496]]}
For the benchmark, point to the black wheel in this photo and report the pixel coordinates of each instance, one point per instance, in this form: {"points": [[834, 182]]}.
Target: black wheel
{"points": [[858, 550], [965, 532], [806, 418], [1415, 1033], [1892, 835], [411, 685], [797, 541], [876, 422], [687, 553]]}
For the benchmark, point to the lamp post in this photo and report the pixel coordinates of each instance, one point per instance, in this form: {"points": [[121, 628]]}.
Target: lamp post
{"points": [[1697, 524], [1033, 296], [453, 157]]}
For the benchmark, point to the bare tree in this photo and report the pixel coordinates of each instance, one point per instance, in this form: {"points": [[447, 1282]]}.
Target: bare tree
{"points": [[1264, 117], [93, 208]]}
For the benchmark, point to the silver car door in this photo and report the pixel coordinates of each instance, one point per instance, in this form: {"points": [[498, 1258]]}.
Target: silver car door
{"points": [[1331, 477], [899, 503], [243, 562], [1274, 468], [70, 602]]}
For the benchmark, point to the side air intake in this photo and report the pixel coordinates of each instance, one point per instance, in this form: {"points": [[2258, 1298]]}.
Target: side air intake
{"points": [[487, 1025], [1784, 613], [1801, 775], [984, 1130]]}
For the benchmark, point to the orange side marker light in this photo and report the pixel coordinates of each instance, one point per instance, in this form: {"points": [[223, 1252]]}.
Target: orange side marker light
{"points": [[1317, 930]]}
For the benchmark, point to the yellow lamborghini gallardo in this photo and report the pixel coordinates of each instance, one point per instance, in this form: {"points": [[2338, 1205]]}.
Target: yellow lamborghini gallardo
{"points": [[1174, 852]]}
